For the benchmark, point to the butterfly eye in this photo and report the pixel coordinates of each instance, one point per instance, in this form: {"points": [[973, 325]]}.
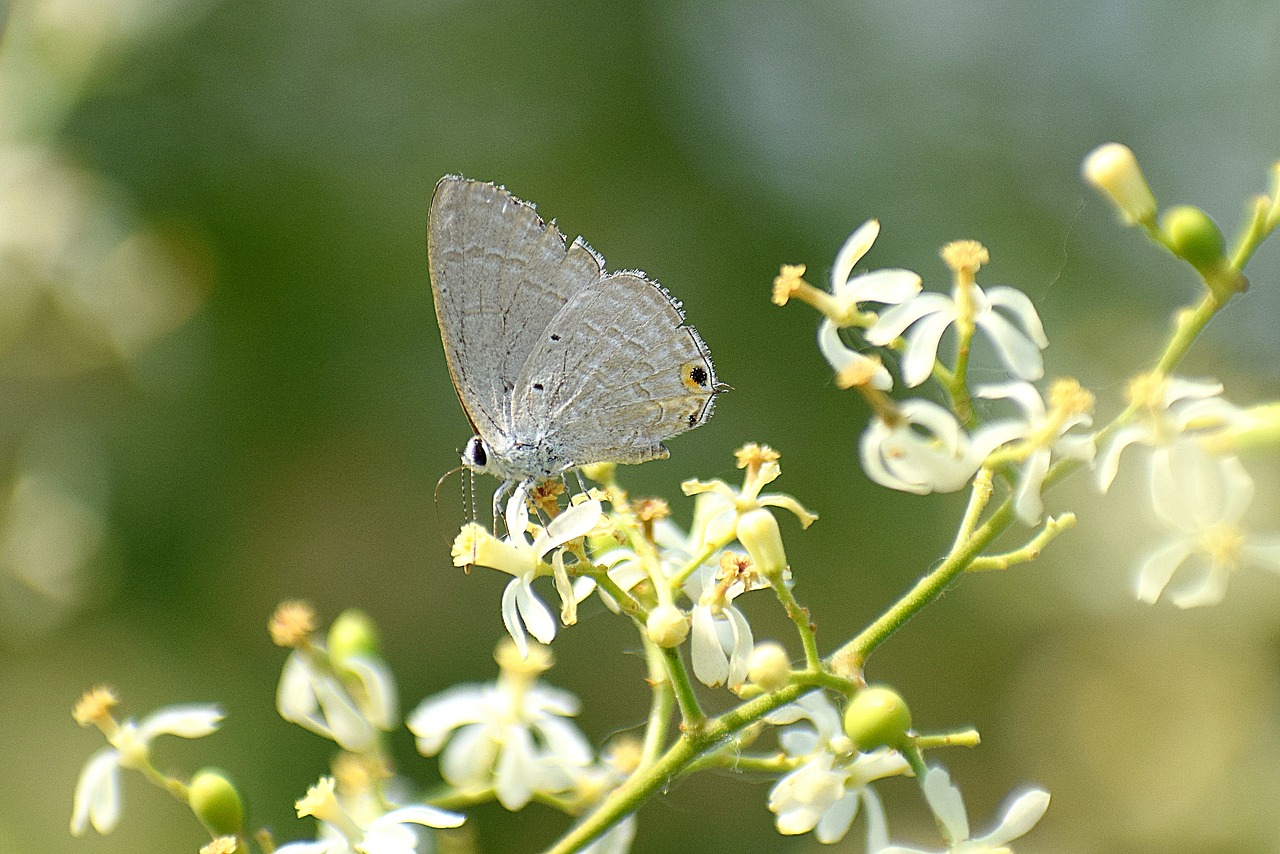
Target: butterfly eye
{"points": [[474, 455], [695, 376]]}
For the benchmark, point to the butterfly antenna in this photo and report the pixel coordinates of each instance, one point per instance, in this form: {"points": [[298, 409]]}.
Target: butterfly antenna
{"points": [[436, 496]]}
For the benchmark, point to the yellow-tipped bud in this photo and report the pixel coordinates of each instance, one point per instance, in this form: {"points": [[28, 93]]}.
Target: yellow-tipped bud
{"points": [[667, 626], [1113, 169], [758, 532], [770, 666], [214, 800], [353, 632], [878, 717]]}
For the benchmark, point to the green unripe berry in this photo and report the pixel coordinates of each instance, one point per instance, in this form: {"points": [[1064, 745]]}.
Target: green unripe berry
{"points": [[1194, 236], [877, 716], [214, 800], [353, 632]]}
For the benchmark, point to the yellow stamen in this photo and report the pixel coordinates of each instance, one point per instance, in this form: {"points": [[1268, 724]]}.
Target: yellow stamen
{"points": [[95, 706], [292, 623]]}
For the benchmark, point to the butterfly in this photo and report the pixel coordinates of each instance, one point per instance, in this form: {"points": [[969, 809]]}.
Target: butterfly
{"points": [[557, 363]]}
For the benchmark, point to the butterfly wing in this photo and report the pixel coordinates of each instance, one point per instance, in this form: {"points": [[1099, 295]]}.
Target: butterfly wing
{"points": [[499, 275], [616, 372]]}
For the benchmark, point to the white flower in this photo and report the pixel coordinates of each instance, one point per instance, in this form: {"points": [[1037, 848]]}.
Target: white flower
{"points": [[929, 315], [523, 613], [511, 736], [311, 695], [925, 451], [97, 797], [891, 287], [1043, 432], [1166, 408], [824, 793], [1201, 499], [722, 640], [948, 807], [389, 833]]}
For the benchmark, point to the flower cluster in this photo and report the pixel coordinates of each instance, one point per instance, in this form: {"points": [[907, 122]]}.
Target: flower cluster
{"points": [[828, 741]]}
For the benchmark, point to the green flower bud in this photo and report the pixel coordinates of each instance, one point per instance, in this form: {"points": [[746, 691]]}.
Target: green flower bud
{"points": [[214, 800], [667, 626], [758, 532], [353, 632], [770, 666], [877, 716], [1113, 169]]}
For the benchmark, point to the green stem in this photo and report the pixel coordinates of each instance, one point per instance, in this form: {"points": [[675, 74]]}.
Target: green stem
{"points": [[660, 706], [628, 797], [800, 616], [849, 659], [1052, 528], [691, 714], [1189, 324]]}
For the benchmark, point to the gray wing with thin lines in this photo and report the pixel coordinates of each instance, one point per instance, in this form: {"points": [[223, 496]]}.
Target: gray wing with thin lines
{"points": [[499, 275], [616, 373]]}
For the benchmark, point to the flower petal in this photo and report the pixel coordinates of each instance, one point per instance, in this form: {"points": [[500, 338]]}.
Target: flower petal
{"points": [[421, 814], [1019, 818], [537, 617], [890, 286], [383, 701], [192, 721], [1211, 590], [835, 822], [921, 352], [855, 246], [437, 717], [97, 798], [947, 805], [895, 321], [710, 664], [1020, 306], [1018, 352], [1158, 568]]}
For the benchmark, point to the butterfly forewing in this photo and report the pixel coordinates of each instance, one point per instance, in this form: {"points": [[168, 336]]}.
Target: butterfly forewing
{"points": [[499, 275]]}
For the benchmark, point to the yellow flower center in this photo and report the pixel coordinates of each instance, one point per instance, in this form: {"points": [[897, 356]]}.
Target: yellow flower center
{"points": [[1223, 543]]}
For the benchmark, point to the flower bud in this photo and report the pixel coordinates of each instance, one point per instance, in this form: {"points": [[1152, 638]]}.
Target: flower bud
{"points": [[667, 626], [353, 632], [1114, 170], [758, 532], [215, 801], [877, 716], [769, 666]]}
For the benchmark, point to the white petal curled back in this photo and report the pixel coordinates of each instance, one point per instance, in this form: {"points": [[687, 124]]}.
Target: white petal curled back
{"points": [[710, 664], [383, 701], [851, 253], [97, 798], [1022, 815], [194, 721], [947, 805], [1020, 354]]}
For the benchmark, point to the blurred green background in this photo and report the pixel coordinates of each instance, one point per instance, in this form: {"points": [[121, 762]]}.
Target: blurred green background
{"points": [[223, 384]]}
